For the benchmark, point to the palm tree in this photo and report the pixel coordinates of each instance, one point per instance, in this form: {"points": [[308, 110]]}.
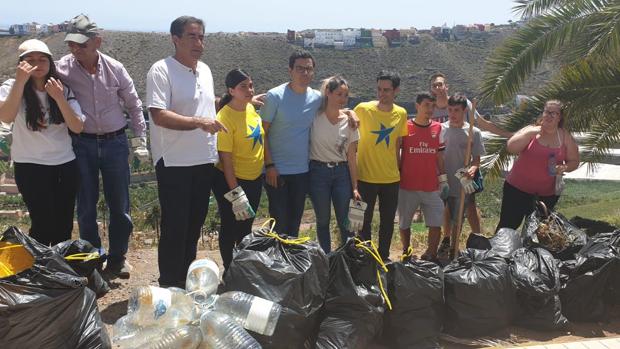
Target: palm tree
{"points": [[583, 36]]}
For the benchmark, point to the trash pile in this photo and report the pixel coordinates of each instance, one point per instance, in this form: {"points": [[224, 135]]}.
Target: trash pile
{"points": [[44, 303], [282, 292]]}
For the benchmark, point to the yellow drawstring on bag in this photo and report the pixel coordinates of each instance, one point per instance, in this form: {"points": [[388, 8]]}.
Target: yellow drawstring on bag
{"points": [[407, 254], [372, 250], [82, 256], [271, 234], [14, 258]]}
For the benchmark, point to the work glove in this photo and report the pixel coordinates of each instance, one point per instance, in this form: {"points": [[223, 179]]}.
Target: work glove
{"points": [[139, 151], [467, 183], [444, 188], [240, 204], [356, 215]]}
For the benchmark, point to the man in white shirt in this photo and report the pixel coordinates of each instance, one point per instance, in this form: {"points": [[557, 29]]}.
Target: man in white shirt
{"points": [[184, 146]]}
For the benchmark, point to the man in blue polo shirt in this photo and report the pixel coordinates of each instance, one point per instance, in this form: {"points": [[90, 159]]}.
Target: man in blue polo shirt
{"points": [[287, 116]]}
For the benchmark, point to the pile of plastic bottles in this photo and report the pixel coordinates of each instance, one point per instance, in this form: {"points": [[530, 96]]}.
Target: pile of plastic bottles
{"points": [[161, 318]]}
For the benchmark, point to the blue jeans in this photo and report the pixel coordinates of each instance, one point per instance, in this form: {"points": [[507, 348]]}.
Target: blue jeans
{"points": [[287, 201], [330, 185], [110, 157]]}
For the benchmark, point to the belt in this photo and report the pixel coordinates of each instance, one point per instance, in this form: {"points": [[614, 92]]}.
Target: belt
{"points": [[103, 135], [329, 164]]}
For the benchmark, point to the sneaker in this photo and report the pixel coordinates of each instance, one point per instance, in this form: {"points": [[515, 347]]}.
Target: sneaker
{"points": [[443, 253], [120, 269]]}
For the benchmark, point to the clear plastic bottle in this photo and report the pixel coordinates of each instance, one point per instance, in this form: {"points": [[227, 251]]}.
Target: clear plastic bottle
{"points": [[253, 313], [126, 335], [166, 307], [551, 163], [221, 331], [203, 277], [184, 337]]}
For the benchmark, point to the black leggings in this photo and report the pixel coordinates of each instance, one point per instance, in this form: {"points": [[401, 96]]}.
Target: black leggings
{"points": [[232, 231], [388, 201], [49, 193], [517, 205]]}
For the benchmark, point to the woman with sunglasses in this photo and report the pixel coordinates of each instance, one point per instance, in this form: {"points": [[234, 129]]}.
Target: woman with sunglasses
{"points": [[41, 110], [238, 183], [545, 151]]}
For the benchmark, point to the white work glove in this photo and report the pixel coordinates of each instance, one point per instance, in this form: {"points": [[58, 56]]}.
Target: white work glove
{"points": [[240, 204], [140, 152], [444, 188], [356, 215], [467, 183]]}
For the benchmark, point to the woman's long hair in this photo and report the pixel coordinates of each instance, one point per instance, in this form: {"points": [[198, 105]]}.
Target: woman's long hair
{"points": [[34, 111], [233, 78], [330, 85]]}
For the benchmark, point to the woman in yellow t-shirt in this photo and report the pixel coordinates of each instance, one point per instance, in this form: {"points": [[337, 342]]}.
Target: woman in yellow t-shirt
{"points": [[238, 183]]}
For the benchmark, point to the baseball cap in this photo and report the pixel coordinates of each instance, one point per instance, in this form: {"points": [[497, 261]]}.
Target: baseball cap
{"points": [[33, 45], [81, 29]]}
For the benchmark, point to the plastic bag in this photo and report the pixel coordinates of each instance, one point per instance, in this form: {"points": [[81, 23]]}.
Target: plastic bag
{"points": [[354, 306], [293, 273], [591, 226], [560, 236], [415, 289], [506, 241], [86, 261], [535, 276], [47, 305], [479, 295], [588, 281]]}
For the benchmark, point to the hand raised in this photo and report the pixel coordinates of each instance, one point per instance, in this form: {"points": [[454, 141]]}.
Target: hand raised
{"points": [[24, 70], [54, 88]]}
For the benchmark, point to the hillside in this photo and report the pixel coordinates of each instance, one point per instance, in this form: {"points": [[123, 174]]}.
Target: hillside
{"points": [[265, 57]]}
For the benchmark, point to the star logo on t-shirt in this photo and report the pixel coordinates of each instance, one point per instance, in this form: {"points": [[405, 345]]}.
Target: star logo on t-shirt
{"points": [[383, 134], [255, 135]]}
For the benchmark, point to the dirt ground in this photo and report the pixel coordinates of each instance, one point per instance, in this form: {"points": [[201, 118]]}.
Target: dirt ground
{"points": [[144, 260]]}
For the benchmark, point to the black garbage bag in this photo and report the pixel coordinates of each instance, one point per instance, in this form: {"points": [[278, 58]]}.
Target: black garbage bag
{"points": [[546, 224], [612, 294], [85, 260], [477, 241], [415, 289], [535, 275], [293, 273], [479, 295], [590, 282], [591, 226], [47, 305], [355, 302], [506, 241]]}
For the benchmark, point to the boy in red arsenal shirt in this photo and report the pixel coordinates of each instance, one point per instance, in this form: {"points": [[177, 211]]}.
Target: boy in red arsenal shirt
{"points": [[423, 180]]}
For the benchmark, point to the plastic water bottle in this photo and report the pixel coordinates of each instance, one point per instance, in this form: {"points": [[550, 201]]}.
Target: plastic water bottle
{"points": [[203, 277], [220, 331], [163, 306], [126, 335], [185, 337], [253, 313], [551, 162]]}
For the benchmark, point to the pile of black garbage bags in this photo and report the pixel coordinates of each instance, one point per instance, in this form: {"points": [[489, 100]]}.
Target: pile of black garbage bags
{"points": [[49, 304], [507, 279]]}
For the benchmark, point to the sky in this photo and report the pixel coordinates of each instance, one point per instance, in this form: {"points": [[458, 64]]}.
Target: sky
{"points": [[262, 16]]}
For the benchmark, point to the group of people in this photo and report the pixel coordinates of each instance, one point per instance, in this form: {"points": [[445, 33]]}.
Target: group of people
{"points": [[69, 126]]}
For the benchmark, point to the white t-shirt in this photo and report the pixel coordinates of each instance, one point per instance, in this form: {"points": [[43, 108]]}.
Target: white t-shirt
{"points": [[172, 86], [329, 142], [49, 146]]}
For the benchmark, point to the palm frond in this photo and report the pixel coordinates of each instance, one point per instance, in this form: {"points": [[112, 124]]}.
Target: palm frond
{"points": [[510, 64], [532, 8]]}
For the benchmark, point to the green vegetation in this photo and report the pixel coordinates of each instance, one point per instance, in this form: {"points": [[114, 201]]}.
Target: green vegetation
{"points": [[584, 36]]}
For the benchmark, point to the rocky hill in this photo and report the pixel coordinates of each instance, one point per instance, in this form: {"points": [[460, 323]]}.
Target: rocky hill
{"points": [[265, 57]]}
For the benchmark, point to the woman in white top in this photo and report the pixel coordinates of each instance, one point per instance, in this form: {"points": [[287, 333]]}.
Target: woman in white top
{"points": [[333, 161], [41, 109]]}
